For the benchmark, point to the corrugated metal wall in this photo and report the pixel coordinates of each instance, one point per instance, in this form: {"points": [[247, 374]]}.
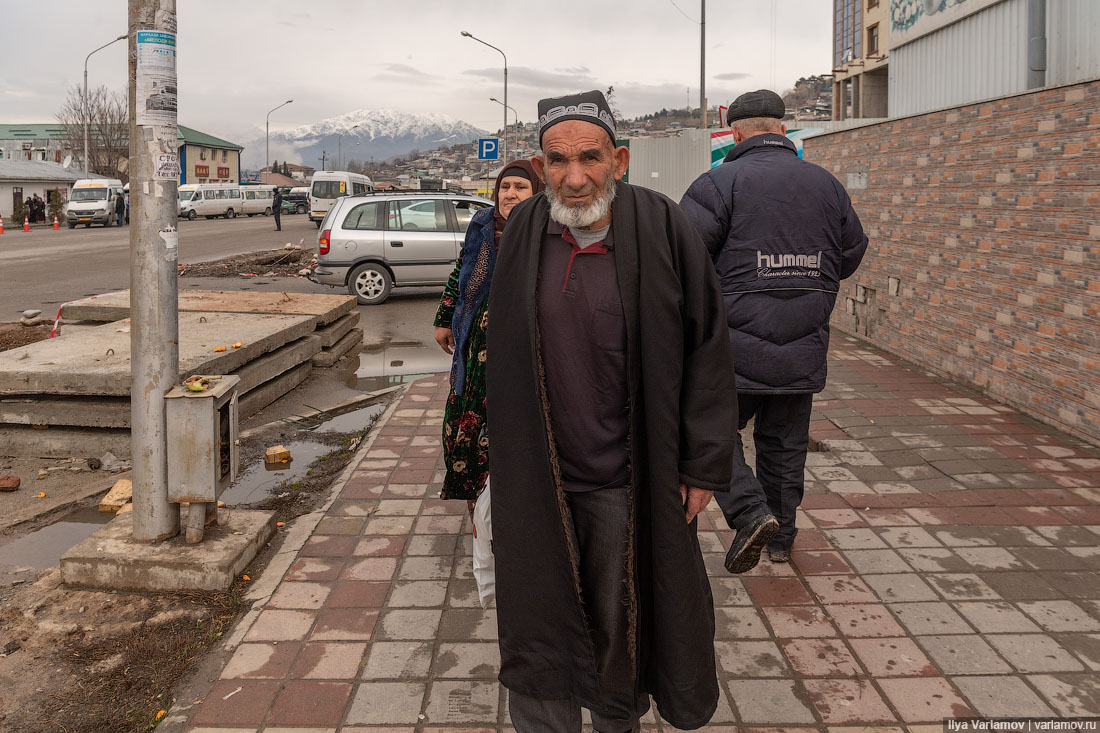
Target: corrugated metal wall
{"points": [[981, 56], [670, 164], [1073, 41]]}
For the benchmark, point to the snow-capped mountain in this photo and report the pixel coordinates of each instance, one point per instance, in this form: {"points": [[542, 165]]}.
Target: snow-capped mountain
{"points": [[366, 134]]}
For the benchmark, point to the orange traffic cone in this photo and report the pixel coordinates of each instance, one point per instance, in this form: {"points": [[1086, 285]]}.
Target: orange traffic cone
{"points": [[26, 223], [55, 226], [1, 224]]}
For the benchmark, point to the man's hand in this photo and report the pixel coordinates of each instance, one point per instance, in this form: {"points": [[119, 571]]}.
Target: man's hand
{"points": [[695, 500], [445, 339]]}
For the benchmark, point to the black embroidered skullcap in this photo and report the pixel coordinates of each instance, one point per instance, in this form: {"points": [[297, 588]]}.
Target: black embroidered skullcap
{"points": [[761, 103], [586, 106]]}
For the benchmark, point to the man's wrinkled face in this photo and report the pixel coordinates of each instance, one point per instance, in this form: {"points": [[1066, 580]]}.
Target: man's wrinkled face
{"points": [[580, 166]]}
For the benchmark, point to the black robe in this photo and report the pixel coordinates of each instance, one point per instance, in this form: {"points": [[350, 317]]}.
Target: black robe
{"points": [[683, 412]]}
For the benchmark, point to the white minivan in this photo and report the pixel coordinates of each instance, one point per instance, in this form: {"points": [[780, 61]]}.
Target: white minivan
{"points": [[327, 186], [210, 200], [92, 201], [256, 199]]}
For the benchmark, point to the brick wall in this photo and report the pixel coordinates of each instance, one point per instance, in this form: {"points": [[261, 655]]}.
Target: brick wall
{"points": [[984, 262]]}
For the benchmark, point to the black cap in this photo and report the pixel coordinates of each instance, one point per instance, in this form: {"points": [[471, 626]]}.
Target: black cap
{"points": [[761, 103], [586, 106]]}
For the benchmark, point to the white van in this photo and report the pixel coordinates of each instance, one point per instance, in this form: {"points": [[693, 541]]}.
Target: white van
{"points": [[92, 201], [210, 200], [256, 199], [327, 186]]}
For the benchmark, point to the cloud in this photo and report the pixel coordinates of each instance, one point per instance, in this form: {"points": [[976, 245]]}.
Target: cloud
{"points": [[731, 76], [405, 73], [525, 76]]}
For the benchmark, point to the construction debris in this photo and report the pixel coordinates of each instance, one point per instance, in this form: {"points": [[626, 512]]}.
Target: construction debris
{"points": [[9, 483], [276, 454], [119, 495]]}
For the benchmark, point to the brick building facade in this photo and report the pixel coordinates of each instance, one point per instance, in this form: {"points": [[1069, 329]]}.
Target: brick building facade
{"points": [[984, 262]]}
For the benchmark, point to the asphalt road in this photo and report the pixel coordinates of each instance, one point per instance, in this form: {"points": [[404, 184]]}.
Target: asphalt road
{"points": [[43, 269]]}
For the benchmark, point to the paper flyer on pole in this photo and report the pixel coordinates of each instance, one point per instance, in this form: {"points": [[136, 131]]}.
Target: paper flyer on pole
{"points": [[156, 78]]}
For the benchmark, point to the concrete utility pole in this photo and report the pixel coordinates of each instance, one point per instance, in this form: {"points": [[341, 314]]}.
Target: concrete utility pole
{"points": [[87, 109], [703, 60], [154, 324]]}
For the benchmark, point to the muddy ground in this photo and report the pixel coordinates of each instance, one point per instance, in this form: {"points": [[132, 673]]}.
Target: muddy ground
{"points": [[88, 661], [256, 264]]}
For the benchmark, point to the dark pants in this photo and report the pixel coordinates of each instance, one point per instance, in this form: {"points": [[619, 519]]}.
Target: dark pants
{"points": [[278, 221], [781, 432], [601, 523]]}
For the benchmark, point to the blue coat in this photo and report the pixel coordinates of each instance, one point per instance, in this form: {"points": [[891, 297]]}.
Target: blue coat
{"points": [[782, 234]]}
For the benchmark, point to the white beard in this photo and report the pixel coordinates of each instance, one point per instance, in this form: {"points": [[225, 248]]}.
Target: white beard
{"points": [[579, 217]]}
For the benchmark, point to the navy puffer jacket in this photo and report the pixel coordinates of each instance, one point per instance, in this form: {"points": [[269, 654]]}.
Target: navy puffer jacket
{"points": [[782, 234]]}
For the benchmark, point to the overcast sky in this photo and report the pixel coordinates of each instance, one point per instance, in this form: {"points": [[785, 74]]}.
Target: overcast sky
{"points": [[240, 58]]}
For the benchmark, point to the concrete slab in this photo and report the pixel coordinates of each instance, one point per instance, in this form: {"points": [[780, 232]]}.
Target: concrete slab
{"points": [[116, 306], [97, 361], [351, 340], [269, 366], [23, 441], [336, 330], [265, 394], [88, 412], [111, 558]]}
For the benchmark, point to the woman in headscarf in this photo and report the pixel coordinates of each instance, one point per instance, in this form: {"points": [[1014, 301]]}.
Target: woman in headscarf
{"points": [[460, 325]]}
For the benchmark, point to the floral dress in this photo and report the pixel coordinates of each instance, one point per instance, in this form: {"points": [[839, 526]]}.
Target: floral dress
{"points": [[465, 439]]}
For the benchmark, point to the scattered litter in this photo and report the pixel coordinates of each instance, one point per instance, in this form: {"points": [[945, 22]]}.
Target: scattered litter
{"points": [[276, 454], [110, 462], [118, 496], [10, 648], [199, 383], [238, 345], [9, 483], [219, 348], [43, 473], [160, 714], [279, 524], [245, 577], [41, 494], [233, 693]]}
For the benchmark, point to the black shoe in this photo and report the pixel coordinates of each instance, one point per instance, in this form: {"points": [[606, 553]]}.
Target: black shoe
{"points": [[779, 553], [744, 553]]}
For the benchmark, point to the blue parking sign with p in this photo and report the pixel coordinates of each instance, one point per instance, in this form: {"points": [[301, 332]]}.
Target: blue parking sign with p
{"points": [[488, 148]]}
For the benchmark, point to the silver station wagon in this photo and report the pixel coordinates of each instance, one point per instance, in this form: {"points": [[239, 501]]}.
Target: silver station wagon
{"points": [[374, 242]]}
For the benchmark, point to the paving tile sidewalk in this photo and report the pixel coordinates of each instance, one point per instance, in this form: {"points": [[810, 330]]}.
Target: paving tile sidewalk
{"points": [[948, 565]]}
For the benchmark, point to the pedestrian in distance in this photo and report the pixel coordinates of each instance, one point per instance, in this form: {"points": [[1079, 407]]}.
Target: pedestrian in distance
{"points": [[120, 209], [460, 328], [610, 399], [277, 207], [782, 234]]}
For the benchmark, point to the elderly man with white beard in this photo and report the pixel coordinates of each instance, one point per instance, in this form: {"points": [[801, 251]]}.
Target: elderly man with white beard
{"points": [[612, 408]]}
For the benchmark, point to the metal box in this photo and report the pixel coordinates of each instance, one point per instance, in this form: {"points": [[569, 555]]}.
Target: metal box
{"points": [[202, 440]]}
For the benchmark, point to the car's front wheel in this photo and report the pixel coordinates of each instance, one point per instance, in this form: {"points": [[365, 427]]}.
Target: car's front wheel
{"points": [[370, 284], [191, 215]]}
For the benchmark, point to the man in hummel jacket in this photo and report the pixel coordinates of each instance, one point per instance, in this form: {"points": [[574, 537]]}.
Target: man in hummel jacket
{"points": [[782, 235]]}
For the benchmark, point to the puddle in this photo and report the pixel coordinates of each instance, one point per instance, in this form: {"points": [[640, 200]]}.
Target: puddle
{"points": [[399, 364], [351, 421], [43, 548], [258, 481]]}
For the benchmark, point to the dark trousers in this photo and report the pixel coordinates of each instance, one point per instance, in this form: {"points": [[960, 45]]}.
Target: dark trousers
{"points": [[601, 526], [781, 432], [278, 221]]}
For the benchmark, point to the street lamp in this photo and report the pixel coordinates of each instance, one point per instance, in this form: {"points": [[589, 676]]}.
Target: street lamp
{"points": [[340, 149], [267, 138], [504, 149], [506, 107], [87, 112]]}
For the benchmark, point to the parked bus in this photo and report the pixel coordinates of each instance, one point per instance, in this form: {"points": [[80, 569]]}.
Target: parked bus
{"points": [[327, 186], [256, 199], [210, 200], [92, 201]]}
